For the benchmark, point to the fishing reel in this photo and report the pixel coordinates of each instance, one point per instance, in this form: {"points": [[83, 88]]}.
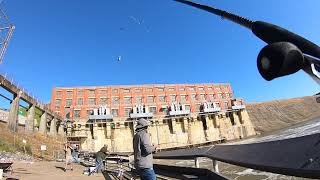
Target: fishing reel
{"points": [[284, 58], [279, 59]]}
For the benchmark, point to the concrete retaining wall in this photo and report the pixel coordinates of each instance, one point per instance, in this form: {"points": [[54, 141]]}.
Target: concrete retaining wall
{"points": [[167, 133], [274, 115]]}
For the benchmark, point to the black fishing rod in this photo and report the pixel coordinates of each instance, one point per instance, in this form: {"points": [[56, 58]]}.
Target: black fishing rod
{"points": [[286, 52]]}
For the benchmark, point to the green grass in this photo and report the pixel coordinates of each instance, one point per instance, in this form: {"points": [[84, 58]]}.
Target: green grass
{"points": [[5, 147], [19, 147]]}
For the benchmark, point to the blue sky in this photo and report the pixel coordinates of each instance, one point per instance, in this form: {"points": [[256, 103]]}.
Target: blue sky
{"points": [[76, 43]]}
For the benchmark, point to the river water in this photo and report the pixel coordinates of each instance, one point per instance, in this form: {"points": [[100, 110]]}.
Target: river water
{"points": [[240, 173]]}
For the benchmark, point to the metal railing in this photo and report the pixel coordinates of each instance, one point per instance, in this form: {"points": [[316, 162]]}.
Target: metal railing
{"points": [[298, 156]]}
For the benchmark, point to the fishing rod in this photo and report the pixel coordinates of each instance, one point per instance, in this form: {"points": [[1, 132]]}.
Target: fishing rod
{"points": [[285, 53]]}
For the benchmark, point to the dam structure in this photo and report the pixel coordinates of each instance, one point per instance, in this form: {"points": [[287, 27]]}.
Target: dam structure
{"points": [[180, 115]]}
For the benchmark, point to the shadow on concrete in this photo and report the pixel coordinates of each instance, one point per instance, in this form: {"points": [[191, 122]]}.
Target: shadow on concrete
{"points": [[59, 167]]}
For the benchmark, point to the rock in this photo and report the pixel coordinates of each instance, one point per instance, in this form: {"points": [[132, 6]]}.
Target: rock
{"points": [[12, 157]]}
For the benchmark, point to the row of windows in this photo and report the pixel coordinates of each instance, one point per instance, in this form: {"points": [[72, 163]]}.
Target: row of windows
{"points": [[127, 111], [139, 99], [127, 90]]}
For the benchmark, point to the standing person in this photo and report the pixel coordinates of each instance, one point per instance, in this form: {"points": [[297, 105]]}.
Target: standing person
{"points": [[143, 149], [68, 155], [75, 153], [100, 157]]}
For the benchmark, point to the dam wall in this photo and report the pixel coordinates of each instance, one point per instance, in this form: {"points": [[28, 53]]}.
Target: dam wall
{"points": [[274, 115], [167, 133]]}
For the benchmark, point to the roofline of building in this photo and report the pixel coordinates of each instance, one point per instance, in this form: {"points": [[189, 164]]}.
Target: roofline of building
{"points": [[141, 85]]}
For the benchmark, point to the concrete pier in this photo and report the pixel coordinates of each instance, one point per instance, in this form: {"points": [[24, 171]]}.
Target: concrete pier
{"points": [[13, 114], [29, 127], [53, 128], [43, 124], [197, 163], [61, 130], [215, 166]]}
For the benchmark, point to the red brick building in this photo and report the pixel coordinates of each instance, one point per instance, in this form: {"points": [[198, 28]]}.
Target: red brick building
{"points": [[78, 102]]}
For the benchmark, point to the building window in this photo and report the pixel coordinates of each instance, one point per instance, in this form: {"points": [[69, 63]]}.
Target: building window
{"points": [[153, 110], [182, 88], [220, 96], [173, 98], [126, 90], [68, 102], [197, 107], [69, 92], [139, 100], [202, 97], [67, 112], [115, 112], [227, 95], [218, 88], [91, 91], [150, 99], [138, 90], [127, 112], [76, 114], [80, 101], [103, 91], [183, 98], [149, 89], [171, 89], [92, 101], [188, 107], [217, 104], [127, 100], [193, 97], [209, 88], [103, 101], [191, 88], [115, 100], [58, 93], [211, 97], [58, 103], [164, 110], [200, 88], [226, 105], [115, 91], [89, 112], [161, 89], [80, 92], [162, 98]]}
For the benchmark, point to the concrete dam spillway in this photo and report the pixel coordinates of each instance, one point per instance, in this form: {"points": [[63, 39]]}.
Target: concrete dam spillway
{"points": [[278, 114]]}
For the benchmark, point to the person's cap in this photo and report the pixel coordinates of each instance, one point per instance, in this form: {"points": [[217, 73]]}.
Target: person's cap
{"points": [[142, 123]]}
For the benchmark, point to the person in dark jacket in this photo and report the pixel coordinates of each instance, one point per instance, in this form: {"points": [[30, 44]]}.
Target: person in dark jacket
{"points": [[143, 149], [100, 157]]}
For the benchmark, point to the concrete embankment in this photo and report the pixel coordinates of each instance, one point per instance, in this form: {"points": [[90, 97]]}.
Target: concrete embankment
{"points": [[278, 114]]}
